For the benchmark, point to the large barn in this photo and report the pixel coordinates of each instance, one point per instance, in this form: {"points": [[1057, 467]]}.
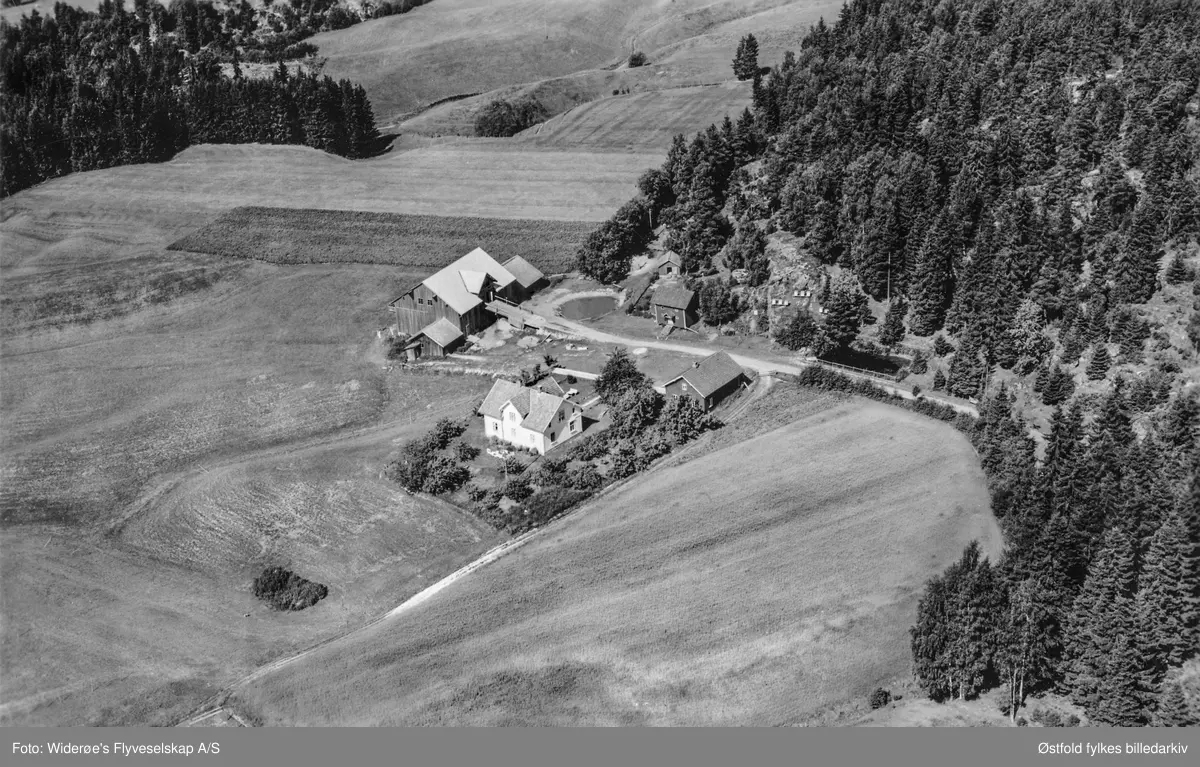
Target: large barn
{"points": [[438, 313]]}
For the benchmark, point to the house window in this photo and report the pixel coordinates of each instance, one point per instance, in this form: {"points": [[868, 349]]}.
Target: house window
{"points": [[560, 415], [572, 426], [512, 416], [532, 439]]}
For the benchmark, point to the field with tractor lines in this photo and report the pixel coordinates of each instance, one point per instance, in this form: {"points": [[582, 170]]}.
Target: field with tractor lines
{"points": [[162, 442], [682, 599], [642, 122], [419, 243]]}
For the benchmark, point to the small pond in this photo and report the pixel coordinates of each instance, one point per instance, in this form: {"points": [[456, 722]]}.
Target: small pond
{"points": [[588, 308]]}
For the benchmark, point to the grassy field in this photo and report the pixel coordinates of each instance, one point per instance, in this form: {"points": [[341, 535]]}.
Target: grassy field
{"points": [[454, 47], [156, 457], [644, 121], [685, 598], [489, 178], [296, 236]]}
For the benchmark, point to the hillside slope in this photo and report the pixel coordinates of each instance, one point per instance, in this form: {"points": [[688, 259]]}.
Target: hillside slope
{"points": [[682, 599], [453, 47]]}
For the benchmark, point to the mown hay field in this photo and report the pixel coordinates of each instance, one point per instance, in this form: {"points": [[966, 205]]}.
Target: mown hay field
{"points": [[493, 178], [161, 442], [297, 236], [645, 121], [751, 585]]}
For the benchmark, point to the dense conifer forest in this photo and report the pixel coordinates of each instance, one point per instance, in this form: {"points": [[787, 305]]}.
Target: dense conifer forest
{"points": [[84, 90], [1018, 178]]}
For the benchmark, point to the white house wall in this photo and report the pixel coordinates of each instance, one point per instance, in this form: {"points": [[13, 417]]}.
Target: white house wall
{"points": [[509, 429]]}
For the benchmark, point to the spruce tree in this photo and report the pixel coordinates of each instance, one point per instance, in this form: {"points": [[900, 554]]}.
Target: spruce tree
{"points": [[939, 380], [919, 364], [1041, 379], [1098, 367], [1177, 271], [1103, 607], [892, 331], [745, 60], [1120, 697], [844, 311], [1166, 612], [942, 347], [1172, 709]]}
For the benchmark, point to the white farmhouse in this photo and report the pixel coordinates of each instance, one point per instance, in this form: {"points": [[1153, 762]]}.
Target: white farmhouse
{"points": [[528, 417]]}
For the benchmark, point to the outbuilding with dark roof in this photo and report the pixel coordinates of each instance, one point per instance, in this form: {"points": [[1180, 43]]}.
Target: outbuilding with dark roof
{"points": [[674, 305], [708, 381]]}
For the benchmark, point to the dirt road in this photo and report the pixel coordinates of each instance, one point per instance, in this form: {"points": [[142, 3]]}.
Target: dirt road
{"points": [[563, 325]]}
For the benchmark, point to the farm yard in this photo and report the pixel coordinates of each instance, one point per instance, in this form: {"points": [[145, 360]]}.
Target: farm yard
{"points": [[296, 236], [683, 599]]}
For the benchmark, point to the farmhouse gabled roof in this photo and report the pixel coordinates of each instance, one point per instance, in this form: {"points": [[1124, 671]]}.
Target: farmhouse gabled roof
{"points": [[550, 385], [526, 273], [441, 331], [673, 296], [710, 374], [537, 408], [502, 391], [450, 285]]}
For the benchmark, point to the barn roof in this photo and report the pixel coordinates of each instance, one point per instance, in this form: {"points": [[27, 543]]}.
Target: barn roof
{"points": [[473, 281], [441, 331], [526, 273], [670, 257], [452, 283], [673, 296], [709, 374]]}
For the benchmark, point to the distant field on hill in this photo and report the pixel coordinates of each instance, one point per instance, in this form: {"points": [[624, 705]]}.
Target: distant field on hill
{"points": [[453, 47], [642, 121], [449, 47], [476, 177], [296, 236], [748, 586]]}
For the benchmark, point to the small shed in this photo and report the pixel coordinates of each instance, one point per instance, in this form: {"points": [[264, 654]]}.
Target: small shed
{"points": [[669, 264], [675, 305], [528, 276], [437, 339], [708, 381]]}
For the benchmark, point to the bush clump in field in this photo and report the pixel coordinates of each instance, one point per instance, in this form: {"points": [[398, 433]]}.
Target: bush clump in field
{"points": [[501, 119], [284, 590], [638, 59], [880, 698], [426, 465]]}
